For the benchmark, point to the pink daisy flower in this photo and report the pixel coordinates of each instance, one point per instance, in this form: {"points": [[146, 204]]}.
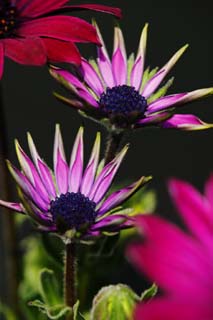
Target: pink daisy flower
{"points": [[33, 32], [180, 262], [71, 199], [122, 95]]}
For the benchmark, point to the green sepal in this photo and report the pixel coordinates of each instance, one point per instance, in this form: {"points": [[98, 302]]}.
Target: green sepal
{"points": [[147, 76], [149, 293], [52, 312], [114, 302]]}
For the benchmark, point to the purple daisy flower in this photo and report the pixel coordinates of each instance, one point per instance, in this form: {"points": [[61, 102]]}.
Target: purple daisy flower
{"points": [[120, 94], [71, 201]]}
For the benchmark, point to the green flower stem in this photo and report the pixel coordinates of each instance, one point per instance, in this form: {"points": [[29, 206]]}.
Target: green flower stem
{"points": [[70, 295], [113, 142], [7, 225]]}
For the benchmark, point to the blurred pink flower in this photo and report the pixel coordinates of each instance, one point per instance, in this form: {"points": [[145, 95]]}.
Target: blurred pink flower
{"points": [[180, 263], [32, 31]]}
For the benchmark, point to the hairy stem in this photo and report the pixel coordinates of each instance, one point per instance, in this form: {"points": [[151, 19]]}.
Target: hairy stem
{"points": [[113, 142], [70, 277]]}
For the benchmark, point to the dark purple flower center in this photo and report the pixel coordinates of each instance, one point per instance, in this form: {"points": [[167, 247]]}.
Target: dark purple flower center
{"points": [[72, 210], [123, 104], [8, 15]]}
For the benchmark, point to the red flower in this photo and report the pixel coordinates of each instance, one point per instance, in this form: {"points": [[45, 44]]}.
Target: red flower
{"points": [[180, 262], [32, 32]]}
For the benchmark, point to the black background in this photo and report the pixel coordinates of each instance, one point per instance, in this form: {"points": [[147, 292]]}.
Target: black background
{"points": [[30, 106]]}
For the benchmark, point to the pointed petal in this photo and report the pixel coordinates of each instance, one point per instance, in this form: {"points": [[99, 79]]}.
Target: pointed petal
{"points": [[18, 207], [92, 78], [90, 171], [29, 51], [119, 59], [117, 197], [95, 7], [153, 119], [155, 81], [104, 63], [178, 99], [71, 29], [194, 208], [60, 165], [74, 84], [116, 220], [45, 173], [27, 188], [106, 176], [209, 189], [186, 122], [138, 67], [61, 51], [76, 162]]}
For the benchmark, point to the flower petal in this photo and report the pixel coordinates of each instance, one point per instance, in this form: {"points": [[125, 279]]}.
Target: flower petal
{"points": [[18, 207], [194, 208], [45, 173], [29, 8], [61, 51], [114, 222], [119, 59], [117, 197], [65, 28], [106, 176], [91, 77], [185, 122], [155, 81], [95, 7], [209, 190], [76, 162], [31, 172], [29, 51], [104, 63], [90, 171], [138, 67], [60, 165], [178, 99]]}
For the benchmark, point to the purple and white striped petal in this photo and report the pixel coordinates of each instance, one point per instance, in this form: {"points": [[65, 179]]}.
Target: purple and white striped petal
{"points": [[60, 165], [106, 176], [44, 171], [31, 172], [27, 187], [74, 84], [185, 122], [90, 171], [117, 197], [138, 67], [76, 162], [155, 81], [119, 59], [92, 78], [178, 99], [104, 63], [18, 207]]}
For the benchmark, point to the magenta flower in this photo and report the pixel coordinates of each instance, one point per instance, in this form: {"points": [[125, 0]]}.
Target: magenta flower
{"points": [[71, 198], [180, 262], [122, 95], [32, 33]]}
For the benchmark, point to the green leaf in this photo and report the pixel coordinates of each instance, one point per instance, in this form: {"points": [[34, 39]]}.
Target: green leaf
{"points": [[49, 288], [114, 302], [53, 312], [149, 293]]}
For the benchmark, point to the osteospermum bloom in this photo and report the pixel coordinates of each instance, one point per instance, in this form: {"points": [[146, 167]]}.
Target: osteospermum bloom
{"points": [[71, 198], [180, 262], [122, 95], [33, 32]]}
